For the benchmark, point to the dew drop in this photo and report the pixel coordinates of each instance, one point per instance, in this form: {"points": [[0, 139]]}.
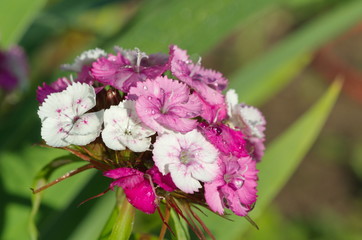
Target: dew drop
{"points": [[149, 98], [217, 131], [145, 88]]}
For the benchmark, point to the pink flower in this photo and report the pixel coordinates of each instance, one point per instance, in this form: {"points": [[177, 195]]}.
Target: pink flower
{"points": [[212, 112], [234, 187], [208, 83], [189, 158], [125, 69], [164, 104], [137, 188], [226, 139]]}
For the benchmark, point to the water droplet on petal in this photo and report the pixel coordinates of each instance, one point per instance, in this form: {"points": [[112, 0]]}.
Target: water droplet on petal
{"points": [[217, 131], [238, 183], [149, 98], [145, 88]]}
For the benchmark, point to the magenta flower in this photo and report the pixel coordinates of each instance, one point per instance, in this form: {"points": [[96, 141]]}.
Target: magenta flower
{"points": [[125, 69], [226, 139], [137, 188], [212, 113], [13, 69], [208, 83], [164, 104], [57, 86], [234, 187], [164, 181]]}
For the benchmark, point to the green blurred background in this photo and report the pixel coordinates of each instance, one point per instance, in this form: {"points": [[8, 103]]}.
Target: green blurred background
{"points": [[280, 55]]}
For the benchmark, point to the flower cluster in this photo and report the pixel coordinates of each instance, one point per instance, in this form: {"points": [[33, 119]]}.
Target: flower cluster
{"points": [[160, 126]]}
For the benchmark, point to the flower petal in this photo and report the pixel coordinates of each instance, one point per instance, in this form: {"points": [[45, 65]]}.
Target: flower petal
{"points": [[213, 197], [142, 197], [86, 129]]}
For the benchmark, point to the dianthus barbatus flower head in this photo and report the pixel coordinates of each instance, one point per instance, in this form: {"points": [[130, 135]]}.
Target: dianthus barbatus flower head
{"points": [[161, 128]]}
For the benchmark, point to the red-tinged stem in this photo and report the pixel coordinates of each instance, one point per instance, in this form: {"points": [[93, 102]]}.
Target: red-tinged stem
{"points": [[98, 165], [98, 195], [165, 223], [65, 176], [174, 205], [201, 223], [90, 153], [198, 231]]}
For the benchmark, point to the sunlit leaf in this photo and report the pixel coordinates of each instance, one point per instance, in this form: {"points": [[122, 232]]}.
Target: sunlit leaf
{"points": [[194, 25], [41, 179], [15, 17], [262, 78], [179, 226]]}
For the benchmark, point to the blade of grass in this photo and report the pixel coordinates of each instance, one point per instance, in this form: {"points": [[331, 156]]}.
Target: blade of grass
{"points": [[40, 180], [179, 226], [280, 160], [15, 17], [194, 25], [262, 78]]}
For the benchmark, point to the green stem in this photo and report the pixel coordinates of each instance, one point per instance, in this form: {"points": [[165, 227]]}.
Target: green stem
{"points": [[120, 223]]}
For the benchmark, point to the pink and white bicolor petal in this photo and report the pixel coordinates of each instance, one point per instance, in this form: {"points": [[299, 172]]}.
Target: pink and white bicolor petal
{"points": [[189, 158], [213, 197], [85, 58]]}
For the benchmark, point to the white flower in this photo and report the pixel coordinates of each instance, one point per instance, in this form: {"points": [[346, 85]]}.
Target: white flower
{"points": [[64, 118], [231, 99], [85, 58], [123, 128], [189, 158], [245, 117]]}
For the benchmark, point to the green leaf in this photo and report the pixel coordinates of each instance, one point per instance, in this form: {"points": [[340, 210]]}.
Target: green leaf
{"points": [[17, 172], [40, 180], [280, 160], [194, 25], [179, 226], [120, 223], [15, 17], [261, 79], [285, 153]]}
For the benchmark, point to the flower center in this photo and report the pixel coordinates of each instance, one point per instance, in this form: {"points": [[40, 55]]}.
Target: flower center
{"points": [[186, 157]]}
